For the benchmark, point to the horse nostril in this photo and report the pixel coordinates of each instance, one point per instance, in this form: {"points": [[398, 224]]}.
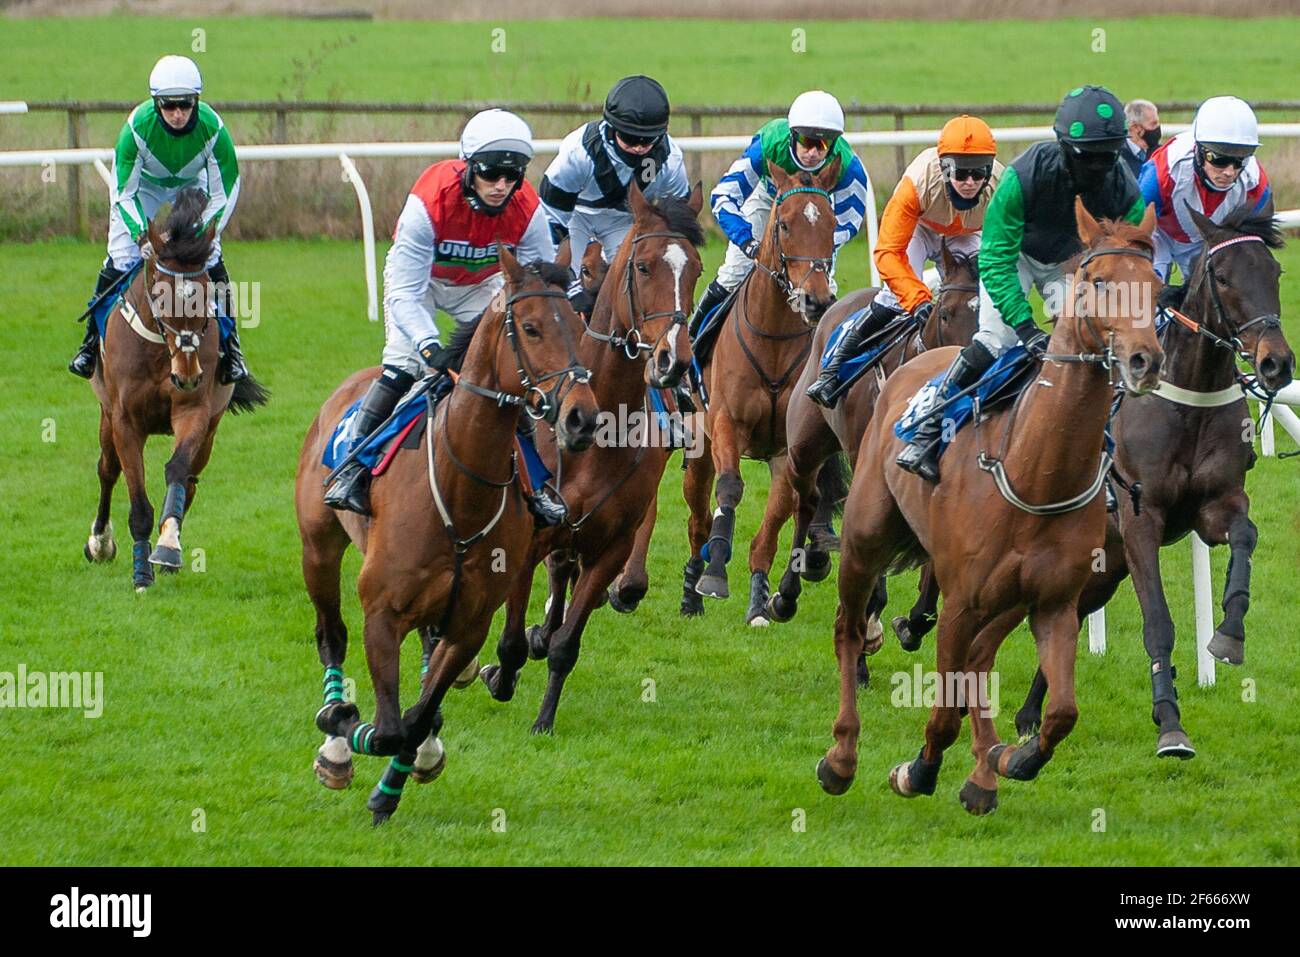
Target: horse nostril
{"points": [[1269, 368], [1139, 363]]}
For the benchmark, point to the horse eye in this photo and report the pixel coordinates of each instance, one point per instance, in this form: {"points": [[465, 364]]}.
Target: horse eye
{"points": [[586, 272], [531, 331], [784, 226], [1221, 280], [643, 269]]}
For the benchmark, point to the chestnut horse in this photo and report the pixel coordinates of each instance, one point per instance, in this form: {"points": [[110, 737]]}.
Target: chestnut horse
{"points": [[1189, 445], [815, 433], [637, 337], [450, 527], [150, 381], [1011, 526], [750, 375]]}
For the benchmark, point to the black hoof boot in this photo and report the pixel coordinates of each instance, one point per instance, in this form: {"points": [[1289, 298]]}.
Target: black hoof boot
{"points": [[864, 673], [831, 782], [1025, 762], [977, 800], [141, 570], [817, 566], [335, 716], [494, 679], [1229, 649], [922, 777], [538, 643], [692, 603], [756, 615], [903, 629], [1172, 741], [780, 608]]}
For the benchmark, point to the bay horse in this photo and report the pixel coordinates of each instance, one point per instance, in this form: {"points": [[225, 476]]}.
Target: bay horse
{"points": [[1011, 527], [1189, 445], [750, 375], [816, 434], [449, 527], [150, 380], [637, 337]]}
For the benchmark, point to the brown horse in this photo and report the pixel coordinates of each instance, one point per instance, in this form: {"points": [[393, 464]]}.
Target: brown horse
{"points": [[1189, 447], [1011, 527], [450, 527], [750, 375], [150, 381], [637, 337], [816, 434]]}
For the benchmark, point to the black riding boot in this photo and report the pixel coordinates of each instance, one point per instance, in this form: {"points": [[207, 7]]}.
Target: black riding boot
{"points": [[231, 368], [850, 344], [351, 488], [713, 297], [83, 363], [921, 455]]}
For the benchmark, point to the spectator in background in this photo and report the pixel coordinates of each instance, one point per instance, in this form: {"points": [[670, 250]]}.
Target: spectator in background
{"points": [[1143, 133]]}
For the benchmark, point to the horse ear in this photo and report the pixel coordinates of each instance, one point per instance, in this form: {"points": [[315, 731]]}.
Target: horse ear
{"points": [[156, 239], [947, 260], [1148, 224], [1089, 229], [564, 255], [1203, 222], [636, 199], [510, 266], [779, 178], [829, 174], [696, 200]]}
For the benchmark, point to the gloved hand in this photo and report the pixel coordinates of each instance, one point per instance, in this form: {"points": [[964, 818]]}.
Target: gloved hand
{"points": [[1035, 339], [431, 352], [750, 249], [922, 312], [146, 250], [579, 298]]}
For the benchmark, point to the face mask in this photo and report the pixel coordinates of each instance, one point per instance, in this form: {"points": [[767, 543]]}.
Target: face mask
{"points": [[1151, 138]]}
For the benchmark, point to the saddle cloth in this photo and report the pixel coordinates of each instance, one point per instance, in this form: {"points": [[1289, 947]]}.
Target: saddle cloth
{"points": [[880, 343], [404, 429]]}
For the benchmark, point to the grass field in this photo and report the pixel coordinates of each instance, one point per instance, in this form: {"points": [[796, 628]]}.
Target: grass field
{"points": [[212, 678]]}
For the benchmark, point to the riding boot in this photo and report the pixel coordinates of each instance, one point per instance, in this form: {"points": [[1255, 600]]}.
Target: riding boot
{"points": [[921, 455], [547, 509], [231, 368], [849, 345], [351, 487], [83, 363], [713, 297]]}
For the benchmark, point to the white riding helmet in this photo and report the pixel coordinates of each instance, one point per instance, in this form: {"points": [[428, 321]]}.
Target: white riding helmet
{"points": [[496, 131], [1228, 124], [175, 76], [816, 110]]}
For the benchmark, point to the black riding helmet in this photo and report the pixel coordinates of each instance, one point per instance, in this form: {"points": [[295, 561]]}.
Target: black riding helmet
{"points": [[637, 106], [1090, 128]]}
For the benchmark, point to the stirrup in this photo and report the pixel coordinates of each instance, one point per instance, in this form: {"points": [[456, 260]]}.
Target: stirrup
{"points": [[350, 490], [547, 512]]}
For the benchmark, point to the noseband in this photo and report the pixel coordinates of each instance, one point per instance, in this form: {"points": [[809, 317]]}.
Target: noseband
{"points": [[793, 293], [188, 341]]}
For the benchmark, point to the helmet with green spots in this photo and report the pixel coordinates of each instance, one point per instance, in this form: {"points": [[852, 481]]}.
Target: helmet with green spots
{"points": [[1091, 118]]}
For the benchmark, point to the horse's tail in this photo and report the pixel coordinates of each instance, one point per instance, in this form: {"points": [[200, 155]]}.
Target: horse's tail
{"points": [[248, 395], [833, 481]]}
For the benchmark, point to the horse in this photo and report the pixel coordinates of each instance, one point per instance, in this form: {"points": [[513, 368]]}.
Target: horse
{"points": [[150, 381], [1188, 447], [816, 434], [1020, 544], [750, 375], [444, 562], [641, 310]]}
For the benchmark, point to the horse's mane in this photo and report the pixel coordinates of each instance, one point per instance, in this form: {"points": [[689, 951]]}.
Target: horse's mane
{"points": [[187, 241], [1123, 231], [679, 218], [1254, 223]]}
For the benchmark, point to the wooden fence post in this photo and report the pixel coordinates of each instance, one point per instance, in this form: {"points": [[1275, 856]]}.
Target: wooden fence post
{"points": [[76, 222]]}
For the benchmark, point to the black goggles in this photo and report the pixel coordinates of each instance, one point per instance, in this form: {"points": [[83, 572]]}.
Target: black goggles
{"points": [[962, 173], [815, 139], [492, 172], [1222, 160], [176, 102], [638, 141]]}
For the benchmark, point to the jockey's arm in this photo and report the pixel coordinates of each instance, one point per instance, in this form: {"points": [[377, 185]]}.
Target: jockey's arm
{"points": [[223, 181], [127, 163], [407, 271], [999, 258], [849, 200], [733, 189], [897, 225], [536, 241], [1149, 186], [565, 179]]}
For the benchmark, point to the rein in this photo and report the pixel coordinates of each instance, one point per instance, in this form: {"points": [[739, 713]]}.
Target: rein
{"points": [[631, 342]]}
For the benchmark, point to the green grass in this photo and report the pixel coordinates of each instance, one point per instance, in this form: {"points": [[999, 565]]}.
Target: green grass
{"points": [[212, 679]]}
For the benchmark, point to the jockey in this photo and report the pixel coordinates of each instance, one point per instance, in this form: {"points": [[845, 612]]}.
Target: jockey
{"points": [[1212, 167], [444, 256], [942, 196], [1029, 233], [170, 142], [584, 190], [804, 141]]}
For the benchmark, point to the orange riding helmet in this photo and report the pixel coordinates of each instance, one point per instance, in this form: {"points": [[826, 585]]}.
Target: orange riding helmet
{"points": [[968, 140]]}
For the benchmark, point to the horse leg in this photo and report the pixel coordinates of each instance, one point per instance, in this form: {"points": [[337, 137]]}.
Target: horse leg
{"points": [[512, 647], [729, 489], [918, 622], [323, 543], [565, 643], [100, 547], [780, 505], [697, 486], [130, 452], [1228, 520], [631, 586], [1056, 635], [383, 642], [821, 531], [979, 795], [193, 436], [561, 570]]}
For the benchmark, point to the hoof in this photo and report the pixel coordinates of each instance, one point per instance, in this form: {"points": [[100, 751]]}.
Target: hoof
{"points": [[334, 776], [425, 775], [831, 782], [1175, 744], [977, 800], [617, 603], [333, 716], [167, 559], [758, 619], [538, 643], [1027, 728], [713, 586], [490, 676], [466, 677], [109, 553], [818, 567], [1228, 649], [541, 727], [692, 606], [903, 629], [381, 805], [781, 609], [875, 636]]}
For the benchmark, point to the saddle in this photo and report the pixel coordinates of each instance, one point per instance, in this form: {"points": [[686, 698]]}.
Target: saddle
{"points": [[402, 430], [875, 347]]}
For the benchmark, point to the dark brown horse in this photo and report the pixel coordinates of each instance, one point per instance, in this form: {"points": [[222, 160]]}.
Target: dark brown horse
{"points": [[637, 337], [1011, 527], [450, 528], [1189, 445], [150, 380], [816, 434], [750, 375]]}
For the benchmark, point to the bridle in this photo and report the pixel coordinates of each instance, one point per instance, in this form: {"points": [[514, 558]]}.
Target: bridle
{"points": [[937, 316], [824, 264], [632, 342], [188, 341]]}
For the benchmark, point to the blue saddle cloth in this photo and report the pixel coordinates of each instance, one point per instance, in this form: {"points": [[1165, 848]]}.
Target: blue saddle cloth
{"points": [[1000, 374], [885, 340], [344, 437]]}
